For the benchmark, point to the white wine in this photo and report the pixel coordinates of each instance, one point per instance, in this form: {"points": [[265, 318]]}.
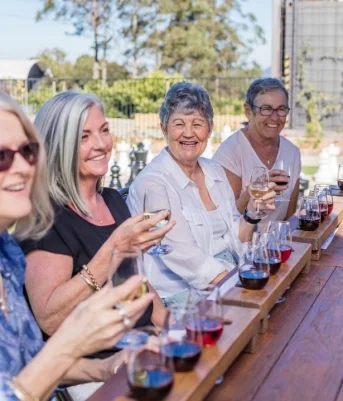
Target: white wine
{"points": [[160, 224], [258, 192]]}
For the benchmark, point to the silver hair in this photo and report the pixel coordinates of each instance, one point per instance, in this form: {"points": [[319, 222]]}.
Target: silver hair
{"points": [[188, 97], [60, 123], [263, 85], [39, 221]]}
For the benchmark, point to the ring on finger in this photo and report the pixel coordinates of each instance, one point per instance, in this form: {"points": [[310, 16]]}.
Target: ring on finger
{"points": [[125, 319]]}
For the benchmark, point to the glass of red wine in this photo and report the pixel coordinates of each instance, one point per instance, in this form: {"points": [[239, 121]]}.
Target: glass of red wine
{"points": [[274, 255], [211, 314], [184, 344], [309, 213], [323, 205], [327, 190], [284, 238], [150, 371], [340, 177], [253, 268], [285, 167]]}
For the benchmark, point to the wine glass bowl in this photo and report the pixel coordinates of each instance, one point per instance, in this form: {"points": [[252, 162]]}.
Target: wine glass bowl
{"points": [[253, 274], [327, 190], [340, 177], [282, 165], [258, 187], [274, 255], [184, 344], [150, 371], [155, 200], [309, 214], [283, 234]]}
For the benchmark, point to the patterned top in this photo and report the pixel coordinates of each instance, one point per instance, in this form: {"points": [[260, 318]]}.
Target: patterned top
{"points": [[20, 336]]}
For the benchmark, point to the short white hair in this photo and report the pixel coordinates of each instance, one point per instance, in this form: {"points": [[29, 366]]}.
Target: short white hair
{"points": [[39, 221], [60, 123]]}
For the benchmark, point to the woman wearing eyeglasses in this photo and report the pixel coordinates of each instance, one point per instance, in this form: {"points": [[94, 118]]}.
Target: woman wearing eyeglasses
{"points": [[259, 144]]}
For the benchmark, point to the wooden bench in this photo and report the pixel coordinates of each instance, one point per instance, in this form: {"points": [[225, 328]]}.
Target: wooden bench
{"points": [[214, 361], [265, 299]]}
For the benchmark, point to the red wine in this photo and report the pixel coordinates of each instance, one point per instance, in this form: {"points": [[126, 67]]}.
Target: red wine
{"points": [[185, 354], [323, 208], [281, 183], [308, 224], [211, 331], [253, 279], [340, 184], [274, 264], [330, 207], [285, 251], [151, 384]]}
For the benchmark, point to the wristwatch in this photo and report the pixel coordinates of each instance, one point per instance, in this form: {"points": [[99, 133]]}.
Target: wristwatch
{"points": [[248, 219]]}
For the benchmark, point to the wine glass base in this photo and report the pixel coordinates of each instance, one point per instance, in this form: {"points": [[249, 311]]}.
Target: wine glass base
{"points": [[281, 300], [160, 250], [256, 215]]}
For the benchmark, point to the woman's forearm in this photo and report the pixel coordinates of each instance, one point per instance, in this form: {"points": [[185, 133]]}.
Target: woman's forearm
{"points": [[68, 295], [245, 230], [44, 372], [242, 201]]}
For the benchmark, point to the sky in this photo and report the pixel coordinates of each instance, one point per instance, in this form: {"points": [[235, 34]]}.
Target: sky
{"points": [[21, 37]]}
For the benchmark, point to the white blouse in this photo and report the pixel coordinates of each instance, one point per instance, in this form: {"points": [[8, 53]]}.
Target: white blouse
{"points": [[192, 262], [219, 229]]}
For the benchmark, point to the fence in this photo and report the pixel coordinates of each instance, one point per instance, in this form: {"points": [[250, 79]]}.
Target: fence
{"points": [[132, 104]]}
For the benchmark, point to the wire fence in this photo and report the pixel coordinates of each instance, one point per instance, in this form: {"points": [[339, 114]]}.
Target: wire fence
{"points": [[132, 104]]}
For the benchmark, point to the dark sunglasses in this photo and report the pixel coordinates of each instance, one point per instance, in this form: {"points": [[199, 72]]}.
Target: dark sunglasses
{"points": [[29, 151]]}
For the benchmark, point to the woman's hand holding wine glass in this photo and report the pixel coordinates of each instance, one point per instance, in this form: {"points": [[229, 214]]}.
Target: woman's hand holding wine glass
{"points": [[280, 174]]}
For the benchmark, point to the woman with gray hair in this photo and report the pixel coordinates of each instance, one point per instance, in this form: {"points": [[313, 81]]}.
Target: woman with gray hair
{"points": [[72, 260], [259, 144], [206, 240]]}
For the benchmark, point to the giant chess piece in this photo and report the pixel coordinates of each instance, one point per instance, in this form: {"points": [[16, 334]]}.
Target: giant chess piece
{"points": [[141, 155], [132, 165], [115, 174]]}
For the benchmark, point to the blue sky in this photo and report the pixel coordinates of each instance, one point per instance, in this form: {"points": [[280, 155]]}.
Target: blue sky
{"points": [[21, 37]]}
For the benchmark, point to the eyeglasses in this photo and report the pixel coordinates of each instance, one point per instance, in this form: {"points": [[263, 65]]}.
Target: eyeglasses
{"points": [[268, 111], [29, 151]]}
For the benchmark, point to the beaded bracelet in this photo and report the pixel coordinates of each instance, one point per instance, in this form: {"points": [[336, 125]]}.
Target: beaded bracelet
{"points": [[87, 280], [20, 392], [92, 278]]}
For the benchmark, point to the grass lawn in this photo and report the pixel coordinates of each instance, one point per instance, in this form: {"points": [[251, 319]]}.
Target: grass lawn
{"points": [[309, 170]]}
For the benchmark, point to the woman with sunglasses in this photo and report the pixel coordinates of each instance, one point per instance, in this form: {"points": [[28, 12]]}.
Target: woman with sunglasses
{"points": [[30, 371], [259, 143]]}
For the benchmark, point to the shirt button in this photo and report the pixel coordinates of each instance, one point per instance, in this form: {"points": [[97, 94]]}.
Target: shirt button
{"points": [[7, 274]]}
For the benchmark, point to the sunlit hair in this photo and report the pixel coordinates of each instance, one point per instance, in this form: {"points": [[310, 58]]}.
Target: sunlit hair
{"points": [[187, 97], [263, 85], [39, 221], [60, 123]]}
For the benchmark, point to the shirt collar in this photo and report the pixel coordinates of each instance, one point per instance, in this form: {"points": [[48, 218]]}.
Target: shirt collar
{"points": [[211, 174]]}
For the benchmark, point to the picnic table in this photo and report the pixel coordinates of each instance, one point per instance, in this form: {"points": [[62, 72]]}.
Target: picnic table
{"points": [[299, 356]]}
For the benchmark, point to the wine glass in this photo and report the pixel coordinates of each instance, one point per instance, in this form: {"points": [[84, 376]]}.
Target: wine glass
{"points": [[211, 314], [123, 265], [340, 177], [253, 268], [282, 165], [325, 188], [150, 371], [155, 200], [274, 256], [184, 337], [309, 214], [323, 204], [258, 187], [284, 239]]}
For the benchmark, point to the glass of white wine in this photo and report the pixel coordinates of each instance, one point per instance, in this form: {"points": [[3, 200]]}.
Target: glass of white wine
{"points": [[258, 187], [155, 200]]}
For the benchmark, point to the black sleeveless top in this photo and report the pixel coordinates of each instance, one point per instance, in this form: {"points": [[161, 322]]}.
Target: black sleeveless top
{"points": [[74, 236]]}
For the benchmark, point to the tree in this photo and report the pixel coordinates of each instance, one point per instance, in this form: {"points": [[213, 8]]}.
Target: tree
{"points": [[83, 68], [200, 37], [88, 17], [137, 18], [56, 60]]}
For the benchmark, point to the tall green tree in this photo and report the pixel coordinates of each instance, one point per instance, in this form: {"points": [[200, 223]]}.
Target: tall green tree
{"points": [[56, 60], [203, 37], [88, 17]]}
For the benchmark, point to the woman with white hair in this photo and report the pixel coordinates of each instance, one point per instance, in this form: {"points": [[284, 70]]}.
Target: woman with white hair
{"points": [[71, 261], [206, 240], [28, 369]]}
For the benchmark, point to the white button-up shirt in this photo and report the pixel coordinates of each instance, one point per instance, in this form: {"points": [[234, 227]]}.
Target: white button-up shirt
{"points": [[192, 261]]}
